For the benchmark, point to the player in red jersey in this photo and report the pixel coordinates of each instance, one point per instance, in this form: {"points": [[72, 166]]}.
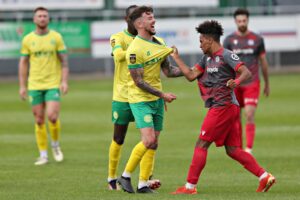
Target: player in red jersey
{"points": [[216, 75], [251, 49]]}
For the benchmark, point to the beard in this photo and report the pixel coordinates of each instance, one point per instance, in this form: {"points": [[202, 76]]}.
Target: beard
{"points": [[243, 29], [42, 26]]}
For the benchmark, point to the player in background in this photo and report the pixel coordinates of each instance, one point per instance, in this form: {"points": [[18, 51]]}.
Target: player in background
{"points": [[121, 111], [146, 57], [216, 75], [250, 47], [43, 54]]}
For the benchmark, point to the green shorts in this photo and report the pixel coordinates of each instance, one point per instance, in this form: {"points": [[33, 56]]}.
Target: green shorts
{"points": [[149, 114], [121, 113], [40, 96]]}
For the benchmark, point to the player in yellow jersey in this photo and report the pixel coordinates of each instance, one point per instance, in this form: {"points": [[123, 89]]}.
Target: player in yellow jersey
{"points": [[146, 57], [121, 111], [45, 52]]}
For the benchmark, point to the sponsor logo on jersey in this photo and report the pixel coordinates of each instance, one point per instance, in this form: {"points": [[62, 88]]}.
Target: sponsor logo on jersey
{"points": [[243, 51], [217, 59], [212, 69], [234, 57], [250, 42], [132, 58]]}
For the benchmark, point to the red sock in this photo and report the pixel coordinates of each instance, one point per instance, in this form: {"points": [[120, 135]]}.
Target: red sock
{"points": [[250, 134], [248, 161], [197, 165]]}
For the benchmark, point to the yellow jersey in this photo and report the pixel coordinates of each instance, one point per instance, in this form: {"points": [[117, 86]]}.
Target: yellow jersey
{"points": [[119, 43], [149, 55], [45, 66]]}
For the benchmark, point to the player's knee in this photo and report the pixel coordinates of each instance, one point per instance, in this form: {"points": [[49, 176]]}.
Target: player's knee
{"points": [[52, 117], [150, 143], [39, 120], [119, 139]]}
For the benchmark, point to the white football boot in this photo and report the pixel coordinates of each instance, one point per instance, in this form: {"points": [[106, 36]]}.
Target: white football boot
{"points": [[57, 154]]}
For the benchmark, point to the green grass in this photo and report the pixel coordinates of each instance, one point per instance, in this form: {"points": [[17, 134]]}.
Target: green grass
{"points": [[87, 132]]}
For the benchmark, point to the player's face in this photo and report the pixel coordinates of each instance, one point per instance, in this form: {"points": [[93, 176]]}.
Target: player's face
{"points": [[41, 19], [205, 44], [242, 23], [149, 23]]}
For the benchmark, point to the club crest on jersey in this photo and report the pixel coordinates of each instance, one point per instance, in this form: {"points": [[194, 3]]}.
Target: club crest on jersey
{"points": [[113, 42], [235, 42], [234, 57], [250, 42], [217, 59], [132, 58]]}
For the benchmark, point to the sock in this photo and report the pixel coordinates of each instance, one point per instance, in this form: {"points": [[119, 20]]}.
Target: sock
{"points": [[250, 134], [146, 165], [240, 128], [142, 184], [41, 137], [197, 165], [264, 175], [54, 129], [190, 186], [44, 154], [113, 159], [136, 155], [248, 161]]}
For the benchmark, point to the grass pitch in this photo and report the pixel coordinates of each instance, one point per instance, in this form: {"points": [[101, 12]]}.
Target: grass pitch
{"points": [[87, 132]]}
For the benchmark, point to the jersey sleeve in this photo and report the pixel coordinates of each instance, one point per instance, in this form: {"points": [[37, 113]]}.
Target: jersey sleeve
{"points": [[232, 60], [261, 47], [61, 47], [226, 43], [134, 59], [24, 48], [201, 64], [117, 48]]}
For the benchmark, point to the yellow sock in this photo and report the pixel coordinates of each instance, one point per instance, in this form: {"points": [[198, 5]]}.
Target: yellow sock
{"points": [[41, 137], [147, 164], [114, 158], [54, 129], [136, 155]]}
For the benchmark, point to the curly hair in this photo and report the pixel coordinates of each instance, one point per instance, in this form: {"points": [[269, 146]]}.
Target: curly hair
{"points": [[241, 11], [211, 28], [138, 12]]}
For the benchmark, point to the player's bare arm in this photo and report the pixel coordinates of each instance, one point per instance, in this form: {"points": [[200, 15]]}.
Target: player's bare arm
{"points": [[65, 73], [170, 70], [137, 76], [23, 72], [244, 74], [264, 68], [190, 73]]}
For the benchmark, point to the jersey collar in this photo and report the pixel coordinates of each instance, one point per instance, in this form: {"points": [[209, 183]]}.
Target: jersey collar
{"points": [[127, 33]]}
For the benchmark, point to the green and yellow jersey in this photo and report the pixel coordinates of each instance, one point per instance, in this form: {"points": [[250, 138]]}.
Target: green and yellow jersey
{"points": [[45, 66], [119, 43], [149, 55]]}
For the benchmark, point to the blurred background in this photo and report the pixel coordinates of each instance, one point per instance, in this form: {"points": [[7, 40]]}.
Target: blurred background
{"points": [[86, 26]]}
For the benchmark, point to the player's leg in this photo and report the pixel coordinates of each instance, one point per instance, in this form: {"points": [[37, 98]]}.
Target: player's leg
{"points": [[266, 180], [250, 127], [239, 93], [197, 165], [36, 98], [251, 96], [52, 98], [121, 116], [148, 160]]}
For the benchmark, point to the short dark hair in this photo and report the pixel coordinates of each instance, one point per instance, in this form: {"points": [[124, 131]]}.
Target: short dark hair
{"points": [[211, 28], [127, 11], [138, 12], [40, 8], [241, 11]]}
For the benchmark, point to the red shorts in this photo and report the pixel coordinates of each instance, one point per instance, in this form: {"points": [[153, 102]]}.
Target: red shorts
{"points": [[248, 95], [221, 125]]}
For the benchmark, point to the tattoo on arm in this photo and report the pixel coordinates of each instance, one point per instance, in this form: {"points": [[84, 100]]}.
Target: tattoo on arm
{"points": [[137, 76], [170, 70]]}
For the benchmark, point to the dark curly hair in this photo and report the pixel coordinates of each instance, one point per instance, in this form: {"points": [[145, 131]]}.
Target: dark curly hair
{"points": [[128, 9], [212, 29], [138, 12], [241, 11]]}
